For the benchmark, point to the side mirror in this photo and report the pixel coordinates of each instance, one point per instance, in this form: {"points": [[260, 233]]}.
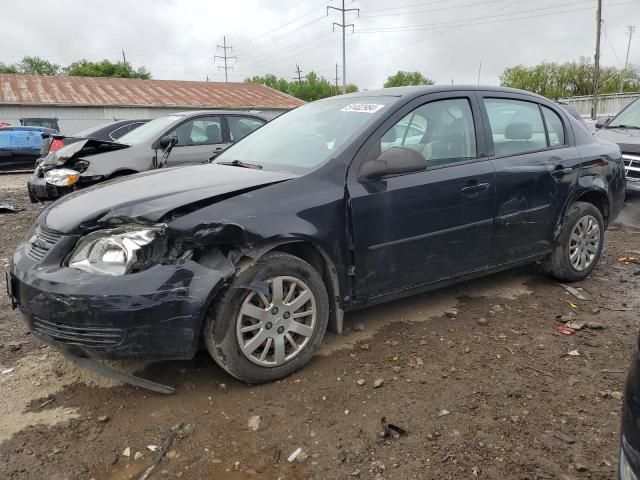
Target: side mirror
{"points": [[165, 141], [602, 121], [395, 161]]}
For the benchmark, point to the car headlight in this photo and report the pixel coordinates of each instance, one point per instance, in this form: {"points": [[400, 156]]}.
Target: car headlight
{"points": [[117, 251], [61, 177]]}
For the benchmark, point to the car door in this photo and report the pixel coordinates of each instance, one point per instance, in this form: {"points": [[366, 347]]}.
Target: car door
{"points": [[199, 139], [536, 165], [418, 228]]}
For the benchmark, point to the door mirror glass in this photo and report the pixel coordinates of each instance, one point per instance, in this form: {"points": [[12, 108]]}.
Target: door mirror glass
{"points": [[602, 121], [394, 161]]}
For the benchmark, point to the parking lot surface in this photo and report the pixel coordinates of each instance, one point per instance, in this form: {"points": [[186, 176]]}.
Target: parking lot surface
{"points": [[475, 373]]}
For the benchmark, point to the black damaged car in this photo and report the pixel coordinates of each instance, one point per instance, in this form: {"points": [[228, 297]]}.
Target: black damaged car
{"points": [[340, 204]]}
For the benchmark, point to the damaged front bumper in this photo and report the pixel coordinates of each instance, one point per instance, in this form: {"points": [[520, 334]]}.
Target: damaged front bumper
{"points": [[154, 314], [40, 191]]}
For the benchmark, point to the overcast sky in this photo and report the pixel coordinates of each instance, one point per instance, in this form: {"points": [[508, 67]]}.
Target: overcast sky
{"points": [[444, 39]]}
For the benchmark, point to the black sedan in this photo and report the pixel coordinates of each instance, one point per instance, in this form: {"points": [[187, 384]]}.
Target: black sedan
{"points": [[337, 205]]}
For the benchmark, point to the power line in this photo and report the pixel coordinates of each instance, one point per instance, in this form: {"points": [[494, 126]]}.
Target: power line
{"points": [[344, 27], [225, 57], [451, 7]]}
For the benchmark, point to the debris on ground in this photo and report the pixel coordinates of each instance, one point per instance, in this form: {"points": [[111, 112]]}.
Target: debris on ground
{"points": [[7, 371], [361, 382], [391, 430], [483, 321], [8, 208], [564, 437], [358, 327], [175, 432], [562, 330], [378, 382], [451, 313], [444, 412], [575, 324], [628, 259], [580, 294], [126, 452], [573, 353], [254, 422], [137, 456], [294, 454]]}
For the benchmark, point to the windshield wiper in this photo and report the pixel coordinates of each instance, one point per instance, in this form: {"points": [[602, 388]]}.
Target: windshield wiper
{"points": [[630, 127], [240, 163]]}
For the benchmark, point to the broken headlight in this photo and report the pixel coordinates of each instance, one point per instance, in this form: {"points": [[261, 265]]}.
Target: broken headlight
{"points": [[61, 177], [117, 251]]}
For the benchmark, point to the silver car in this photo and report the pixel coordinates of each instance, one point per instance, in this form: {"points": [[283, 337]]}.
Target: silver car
{"points": [[190, 137]]}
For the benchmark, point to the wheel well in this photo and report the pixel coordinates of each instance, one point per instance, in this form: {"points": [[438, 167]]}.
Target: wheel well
{"points": [[599, 200], [318, 260]]}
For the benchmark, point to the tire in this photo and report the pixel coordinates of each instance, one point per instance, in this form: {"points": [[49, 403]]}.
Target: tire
{"points": [[561, 264], [253, 291]]}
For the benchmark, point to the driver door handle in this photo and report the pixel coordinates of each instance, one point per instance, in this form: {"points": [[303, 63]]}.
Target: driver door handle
{"points": [[475, 189], [561, 172]]}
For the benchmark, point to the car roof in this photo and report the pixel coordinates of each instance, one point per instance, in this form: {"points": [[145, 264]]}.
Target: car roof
{"points": [[415, 91], [255, 113]]}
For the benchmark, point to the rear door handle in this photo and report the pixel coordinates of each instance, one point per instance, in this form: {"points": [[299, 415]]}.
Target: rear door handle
{"points": [[474, 190]]}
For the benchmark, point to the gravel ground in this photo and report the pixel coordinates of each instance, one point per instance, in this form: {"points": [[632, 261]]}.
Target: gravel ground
{"points": [[475, 373]]}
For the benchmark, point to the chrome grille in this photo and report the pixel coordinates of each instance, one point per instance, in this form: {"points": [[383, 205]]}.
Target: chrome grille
{"points": [[631, 165], [88, 336], [41, 242]]}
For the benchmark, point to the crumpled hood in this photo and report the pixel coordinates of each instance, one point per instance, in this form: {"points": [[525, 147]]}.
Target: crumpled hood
{"points": [[150, 195], [83, 148], [627, 139]]}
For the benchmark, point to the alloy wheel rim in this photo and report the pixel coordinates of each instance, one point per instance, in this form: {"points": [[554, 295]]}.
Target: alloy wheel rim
{"points": [[584, 243], [274, 328]]}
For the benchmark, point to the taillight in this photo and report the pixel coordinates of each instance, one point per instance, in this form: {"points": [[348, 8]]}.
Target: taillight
{"points": [[56, 145]]}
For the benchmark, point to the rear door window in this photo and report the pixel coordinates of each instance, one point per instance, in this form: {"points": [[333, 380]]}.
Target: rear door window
{"points": [[240, 127], [516, 126], [555, 128]]}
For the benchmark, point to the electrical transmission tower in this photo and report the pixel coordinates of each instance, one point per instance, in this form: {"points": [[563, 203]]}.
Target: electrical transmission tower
{"points": [[344, 27], [225, 57]]}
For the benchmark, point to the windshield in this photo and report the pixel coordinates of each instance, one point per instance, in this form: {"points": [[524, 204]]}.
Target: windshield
{"points": [[630, 117], [305, 138], [149, 132]]}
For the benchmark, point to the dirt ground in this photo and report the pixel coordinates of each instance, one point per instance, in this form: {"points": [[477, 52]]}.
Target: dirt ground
{"points": [[490, 391]]}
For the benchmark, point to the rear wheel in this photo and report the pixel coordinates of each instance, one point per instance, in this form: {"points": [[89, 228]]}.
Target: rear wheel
{"points": [[270, 321], [580, 243]]}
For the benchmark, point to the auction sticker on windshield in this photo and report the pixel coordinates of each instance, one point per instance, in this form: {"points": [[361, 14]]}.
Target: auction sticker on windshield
{"points": [[362, 107]]}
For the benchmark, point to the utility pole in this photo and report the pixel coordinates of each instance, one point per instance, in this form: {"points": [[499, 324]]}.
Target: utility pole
{"points": [[299, 74], [596, 71], [124, 58], [630, 30], [225, 57], [344, 27], [479, 71], [337, 78]]}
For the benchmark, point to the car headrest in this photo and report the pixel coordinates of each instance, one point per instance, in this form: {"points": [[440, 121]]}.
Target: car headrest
{"points": [[518, 131], [391, 135], [213, 133]]}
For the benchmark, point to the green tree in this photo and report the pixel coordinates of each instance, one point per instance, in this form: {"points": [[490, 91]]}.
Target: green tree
{"points": [[555, 80], [37, 66], [313, 87], [403, 79], [8, 68], [106, 68]]}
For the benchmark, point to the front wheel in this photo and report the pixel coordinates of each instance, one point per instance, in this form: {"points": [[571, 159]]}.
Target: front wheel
{"points": [[579, 245], [270, 320]]}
